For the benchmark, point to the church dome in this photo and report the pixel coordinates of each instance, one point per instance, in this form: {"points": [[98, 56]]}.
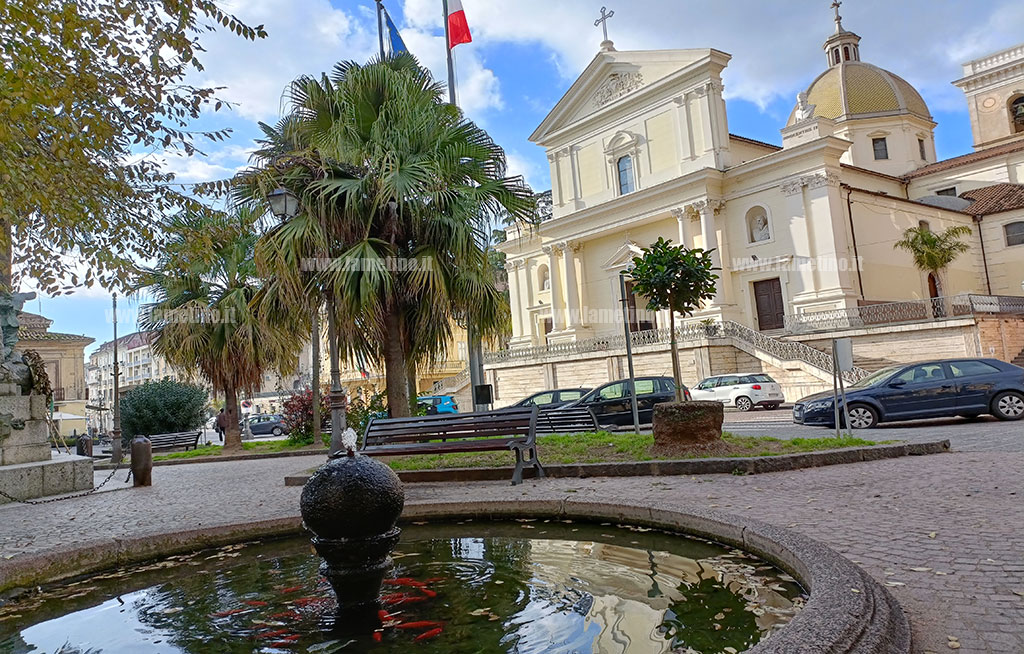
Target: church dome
{"points": [[854, 89]]}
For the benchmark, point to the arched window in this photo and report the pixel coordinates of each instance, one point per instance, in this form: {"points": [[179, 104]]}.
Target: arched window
{"points": [[1014, 233], [846, 53], [625, 168], [543, 278], [758, 229], [1017, 114], [925, 225], [835, 56]]}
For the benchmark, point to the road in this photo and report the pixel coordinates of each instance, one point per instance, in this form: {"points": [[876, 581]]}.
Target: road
{"points": [[985, 434]]}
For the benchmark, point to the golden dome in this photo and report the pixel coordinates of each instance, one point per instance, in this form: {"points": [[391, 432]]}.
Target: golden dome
{"points": [[854, 89]]}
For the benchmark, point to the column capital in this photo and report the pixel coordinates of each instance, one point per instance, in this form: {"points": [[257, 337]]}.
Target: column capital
{"points": [[712, 205], [552, 249], [794, 185]]}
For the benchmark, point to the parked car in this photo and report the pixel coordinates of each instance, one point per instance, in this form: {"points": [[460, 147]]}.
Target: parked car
{"points": [[552, 399], [262, 424], [744, 391], [932, 389], [441, 403], [611, 403]]}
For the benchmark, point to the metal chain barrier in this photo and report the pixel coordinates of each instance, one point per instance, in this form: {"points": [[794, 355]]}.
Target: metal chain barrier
{"points": [[66, 497]]}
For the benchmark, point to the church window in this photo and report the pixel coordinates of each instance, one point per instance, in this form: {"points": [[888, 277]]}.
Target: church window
{"points": [[1017, 114], [881, 148], [835, 56], [846, 53], [924, 225], [920, 148], [544, 278], [758, 229], [625, 167], [1014, 233], [947, 191]]}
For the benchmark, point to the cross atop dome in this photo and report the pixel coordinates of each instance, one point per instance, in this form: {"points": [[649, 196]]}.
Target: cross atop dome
{"points": [[839, 19], [842, 46]]}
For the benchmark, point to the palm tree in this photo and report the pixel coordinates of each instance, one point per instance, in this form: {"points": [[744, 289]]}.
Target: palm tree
{"points": [[933, 252], [396, 187], [203, 312]]}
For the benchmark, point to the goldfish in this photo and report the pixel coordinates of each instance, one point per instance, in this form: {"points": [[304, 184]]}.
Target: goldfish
{"points": [[224, 614], [427, 635], [421, 624], [254, 603]]}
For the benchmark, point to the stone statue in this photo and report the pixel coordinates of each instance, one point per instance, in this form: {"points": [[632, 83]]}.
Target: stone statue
{"points": [[804, 110], [759, 230], [13, 369]]}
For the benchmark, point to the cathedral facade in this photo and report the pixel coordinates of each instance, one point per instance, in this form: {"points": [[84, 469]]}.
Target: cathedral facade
{"points": [[640, 148]]}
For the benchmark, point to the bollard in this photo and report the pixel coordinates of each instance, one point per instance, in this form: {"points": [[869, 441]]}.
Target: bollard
{"points": [[142, 461]]}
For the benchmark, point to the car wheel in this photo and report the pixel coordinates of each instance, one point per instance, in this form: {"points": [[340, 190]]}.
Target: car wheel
{"points": [[277, 431], [1008, 406], [862, 416], [743, 403]]}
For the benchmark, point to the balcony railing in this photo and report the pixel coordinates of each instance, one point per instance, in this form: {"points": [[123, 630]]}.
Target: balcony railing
{"points": [[913, 311]]}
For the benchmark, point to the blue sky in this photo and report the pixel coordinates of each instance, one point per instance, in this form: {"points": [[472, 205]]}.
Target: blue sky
{"points": [[526, 53]]}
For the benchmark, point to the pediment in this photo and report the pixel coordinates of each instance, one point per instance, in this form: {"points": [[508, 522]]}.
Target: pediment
{"points": [[613, 77], [623, 257]]}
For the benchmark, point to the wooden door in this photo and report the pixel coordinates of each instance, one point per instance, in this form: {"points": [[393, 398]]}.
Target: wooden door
{"points": [[771, 309]]}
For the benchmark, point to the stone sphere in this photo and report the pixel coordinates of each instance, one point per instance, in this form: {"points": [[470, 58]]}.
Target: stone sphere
{"points": [[352, 497]]}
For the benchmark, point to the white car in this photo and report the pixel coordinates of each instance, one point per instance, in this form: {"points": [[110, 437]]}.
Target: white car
{"points": [[741, 391]]}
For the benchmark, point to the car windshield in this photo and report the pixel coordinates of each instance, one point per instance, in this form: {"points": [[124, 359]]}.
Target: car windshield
{"points": [[875, 378]]}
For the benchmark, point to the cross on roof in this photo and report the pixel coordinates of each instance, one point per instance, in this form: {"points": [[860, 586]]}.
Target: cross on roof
{"points": [[839, 19], [602, 22]]}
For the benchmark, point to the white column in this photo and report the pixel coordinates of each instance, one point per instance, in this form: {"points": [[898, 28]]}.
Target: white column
{"points": [[530, 328], [707, 210], [557, 311], [572, 296], [577, 186], [514, 298], [682, 220]]}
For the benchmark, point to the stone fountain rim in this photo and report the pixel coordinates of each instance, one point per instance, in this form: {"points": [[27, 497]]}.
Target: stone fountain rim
{"points": [[847, 611]]}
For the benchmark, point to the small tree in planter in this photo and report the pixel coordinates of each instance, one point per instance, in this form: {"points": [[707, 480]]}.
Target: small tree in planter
{"points": [[162, 407], [672, 277]]}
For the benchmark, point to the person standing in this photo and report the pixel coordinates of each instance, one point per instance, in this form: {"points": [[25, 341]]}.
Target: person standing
{"points": [[221, 425]]}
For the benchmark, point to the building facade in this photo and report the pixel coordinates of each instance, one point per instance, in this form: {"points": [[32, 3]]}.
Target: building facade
{"points": [[639, 148], [64, 357]]}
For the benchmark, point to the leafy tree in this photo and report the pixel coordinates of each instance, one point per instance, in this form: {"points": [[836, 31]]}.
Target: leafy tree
{"points": [[933, 252], [298, 415], [162, 407], [672, 277], [204, 286], [88, 88], [387, 173]]}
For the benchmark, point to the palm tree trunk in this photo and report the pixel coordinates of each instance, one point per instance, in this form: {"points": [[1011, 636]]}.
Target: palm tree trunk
{"points": [[315, 371], [677, 374], [233, 433], [395, 369], [413, 390]]}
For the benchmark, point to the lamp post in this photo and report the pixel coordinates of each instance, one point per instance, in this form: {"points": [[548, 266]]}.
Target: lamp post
{"points": [[284, 205], [115, 433], [629, 351]]}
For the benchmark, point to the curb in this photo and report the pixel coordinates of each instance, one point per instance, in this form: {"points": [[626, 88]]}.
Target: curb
{"points": [[219, 458], [847, 612], [713, 466]]}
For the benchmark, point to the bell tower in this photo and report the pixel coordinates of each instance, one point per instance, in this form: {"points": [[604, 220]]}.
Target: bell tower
{"points": [[994, 86]]}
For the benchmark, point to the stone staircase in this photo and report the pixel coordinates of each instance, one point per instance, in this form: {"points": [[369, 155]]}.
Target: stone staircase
{"points": [[1019, 359]]}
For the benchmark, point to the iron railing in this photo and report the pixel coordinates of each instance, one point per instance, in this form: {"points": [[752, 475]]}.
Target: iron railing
{"points": [[913, 311], [784, 350]]}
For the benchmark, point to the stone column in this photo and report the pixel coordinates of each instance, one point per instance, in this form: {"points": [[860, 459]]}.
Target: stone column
{"points": [[707, 209], [514, 298], [557, 309], [572, 294], [682, 218]]}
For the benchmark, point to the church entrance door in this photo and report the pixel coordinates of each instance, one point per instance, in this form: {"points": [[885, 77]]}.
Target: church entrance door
{"points": [[771, 309]]}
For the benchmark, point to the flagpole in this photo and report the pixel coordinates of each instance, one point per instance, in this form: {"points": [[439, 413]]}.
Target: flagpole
{"points": [[448, 49], [380, 27]]}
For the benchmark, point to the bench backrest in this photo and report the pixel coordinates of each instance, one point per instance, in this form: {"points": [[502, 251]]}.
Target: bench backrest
{"points": [[452, 426], [572, 420], [183, 437]]}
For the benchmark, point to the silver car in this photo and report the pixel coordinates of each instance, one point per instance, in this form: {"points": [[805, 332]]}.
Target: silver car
{"points": [[744, 391]]}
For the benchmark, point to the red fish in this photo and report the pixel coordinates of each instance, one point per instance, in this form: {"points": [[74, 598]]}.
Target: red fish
{"points": [[383, 615], [285, 640], [405, 581], [254, 603], [427, 635], [271, 634], [306, 601], [408, 599], [287, 614], [378, 636], [421, 624], [291, 589], [428, 592], [224, 614], [390, 597]]}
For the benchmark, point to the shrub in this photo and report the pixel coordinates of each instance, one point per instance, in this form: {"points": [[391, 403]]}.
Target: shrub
{"points": [[298, 415], [162, 407]]}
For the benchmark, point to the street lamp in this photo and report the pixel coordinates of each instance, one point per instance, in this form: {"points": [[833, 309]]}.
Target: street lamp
{"points": [[283, 203]]}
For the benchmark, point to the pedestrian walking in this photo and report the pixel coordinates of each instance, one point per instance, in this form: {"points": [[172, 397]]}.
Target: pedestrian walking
{"points": [[220, 425]]}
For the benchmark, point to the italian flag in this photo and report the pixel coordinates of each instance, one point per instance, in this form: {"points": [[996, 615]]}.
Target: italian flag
{"points": [[458, 28]]}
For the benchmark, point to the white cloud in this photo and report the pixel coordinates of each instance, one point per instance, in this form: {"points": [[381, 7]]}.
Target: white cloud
{"points": [[520, 165]]}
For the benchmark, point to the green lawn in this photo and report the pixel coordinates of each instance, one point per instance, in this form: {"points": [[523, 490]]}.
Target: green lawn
{"points": [[605, 447], [252, 447]]}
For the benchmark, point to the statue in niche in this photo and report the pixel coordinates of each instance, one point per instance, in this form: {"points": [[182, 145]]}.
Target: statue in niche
{"points": [[759, 230], [804, 110]]}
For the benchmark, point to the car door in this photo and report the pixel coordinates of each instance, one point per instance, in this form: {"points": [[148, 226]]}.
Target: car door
{"points": [[648, 393], [726, 389], [975, 383], [705, 390], [919, 391], [564, 397], [611, 404]]}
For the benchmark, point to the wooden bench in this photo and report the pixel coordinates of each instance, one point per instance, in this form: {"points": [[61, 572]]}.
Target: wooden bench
{"points": [[572, 420], [508, 429], [187, 439]]}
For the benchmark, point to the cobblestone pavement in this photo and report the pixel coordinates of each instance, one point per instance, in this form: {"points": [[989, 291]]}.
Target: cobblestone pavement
{"points": [[944, 531]]}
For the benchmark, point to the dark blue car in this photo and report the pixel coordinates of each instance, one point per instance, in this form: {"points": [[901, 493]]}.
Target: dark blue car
{"points": [[932, 389]]}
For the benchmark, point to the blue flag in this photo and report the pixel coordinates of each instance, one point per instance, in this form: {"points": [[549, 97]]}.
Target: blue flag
{"points": [[397, 44]]}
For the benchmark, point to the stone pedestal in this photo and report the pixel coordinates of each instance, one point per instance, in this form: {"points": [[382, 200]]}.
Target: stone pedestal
{"points": [[26, 468], [681, 425]]}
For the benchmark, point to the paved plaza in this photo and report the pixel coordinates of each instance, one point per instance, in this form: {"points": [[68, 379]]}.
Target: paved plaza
{"points": [[943, 532]]}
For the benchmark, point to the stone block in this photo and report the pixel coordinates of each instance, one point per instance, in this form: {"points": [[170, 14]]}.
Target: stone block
{"points": [[83, 477], [16, 405], [16, 454], [58, 477], [21, 481], [10, 389], [34, 433], [679, 425], [37, 407]]}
